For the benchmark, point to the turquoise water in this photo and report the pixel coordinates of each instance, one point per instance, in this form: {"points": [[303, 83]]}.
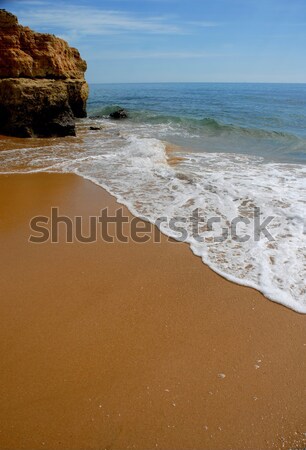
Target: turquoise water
{"points": [[267, 120]]}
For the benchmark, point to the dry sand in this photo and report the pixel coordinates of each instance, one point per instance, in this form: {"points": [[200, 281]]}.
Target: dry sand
{"points": [[117, 346]]}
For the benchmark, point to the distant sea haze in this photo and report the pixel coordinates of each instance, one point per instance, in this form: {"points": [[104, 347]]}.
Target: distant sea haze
{"points": [[227, 151]]}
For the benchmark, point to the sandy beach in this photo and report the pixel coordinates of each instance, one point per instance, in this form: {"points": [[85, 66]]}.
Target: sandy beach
{"points": [[120, 346]]}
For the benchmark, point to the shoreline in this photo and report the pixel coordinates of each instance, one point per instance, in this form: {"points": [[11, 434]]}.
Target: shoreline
{"points": [[166, 354]]}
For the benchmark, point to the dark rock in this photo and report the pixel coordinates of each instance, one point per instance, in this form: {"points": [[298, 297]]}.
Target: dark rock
{"points": [[95, 128], [77, 96], [35, 108], [119, 114]]}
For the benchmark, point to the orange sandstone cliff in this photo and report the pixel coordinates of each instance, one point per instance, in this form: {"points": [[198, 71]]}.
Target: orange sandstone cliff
{"points": [[42, 85]]}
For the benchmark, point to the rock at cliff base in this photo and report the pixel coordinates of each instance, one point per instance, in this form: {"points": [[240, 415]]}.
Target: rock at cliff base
{"points": [[42, 85]]}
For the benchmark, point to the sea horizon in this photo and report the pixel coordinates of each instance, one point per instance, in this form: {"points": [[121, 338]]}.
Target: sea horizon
{"points": [[196, 82]]}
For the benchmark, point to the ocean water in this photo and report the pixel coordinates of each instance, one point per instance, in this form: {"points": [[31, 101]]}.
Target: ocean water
{"points": [[266, 120], [237, 160]]}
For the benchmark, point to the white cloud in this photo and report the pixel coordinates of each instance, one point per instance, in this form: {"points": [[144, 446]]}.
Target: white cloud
{"points": [[202, 23], [156, 55], [30, 2], [82, 20]]}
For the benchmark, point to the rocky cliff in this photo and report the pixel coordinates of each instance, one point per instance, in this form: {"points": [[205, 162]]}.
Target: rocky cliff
{"points": [[42, 85]]}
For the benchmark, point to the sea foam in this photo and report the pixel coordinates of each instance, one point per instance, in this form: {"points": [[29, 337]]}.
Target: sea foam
{"points": [[133, 166]]}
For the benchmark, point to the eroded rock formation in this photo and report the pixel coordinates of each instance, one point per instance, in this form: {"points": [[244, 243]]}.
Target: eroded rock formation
{"points": [[42, 85]]}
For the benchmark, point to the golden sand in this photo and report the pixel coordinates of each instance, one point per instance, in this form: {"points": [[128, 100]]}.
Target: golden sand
{"points": [[120, 346]]}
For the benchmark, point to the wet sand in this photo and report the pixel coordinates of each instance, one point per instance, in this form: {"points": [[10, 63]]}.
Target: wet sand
{"points": [[120, 346]]}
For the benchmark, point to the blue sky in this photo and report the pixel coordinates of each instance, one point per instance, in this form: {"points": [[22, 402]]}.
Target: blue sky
{"points": [[178, 40]]}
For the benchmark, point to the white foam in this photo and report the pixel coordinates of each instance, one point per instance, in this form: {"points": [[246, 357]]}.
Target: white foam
{"points": [[133, 166]]}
